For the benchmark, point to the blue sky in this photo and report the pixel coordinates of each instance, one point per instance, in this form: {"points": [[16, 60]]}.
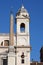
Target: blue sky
{"points": [[35, 9]]}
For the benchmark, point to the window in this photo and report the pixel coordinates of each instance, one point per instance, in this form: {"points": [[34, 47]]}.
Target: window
{"points": [[22, 27], [6, 42]]}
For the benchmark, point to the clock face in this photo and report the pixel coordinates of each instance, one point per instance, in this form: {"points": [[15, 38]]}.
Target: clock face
{"points": [[22, 41]]}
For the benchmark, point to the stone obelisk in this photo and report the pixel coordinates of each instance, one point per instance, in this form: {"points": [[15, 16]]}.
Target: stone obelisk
{"points": [[11, 35], [11, 29], [11, 54]]}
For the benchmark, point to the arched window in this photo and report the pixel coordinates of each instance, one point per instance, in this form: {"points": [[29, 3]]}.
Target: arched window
{"points": [[6, 42], [22, 27]]}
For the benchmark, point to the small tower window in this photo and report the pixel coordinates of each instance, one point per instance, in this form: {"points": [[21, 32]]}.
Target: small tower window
{"points": [[22, 27]]}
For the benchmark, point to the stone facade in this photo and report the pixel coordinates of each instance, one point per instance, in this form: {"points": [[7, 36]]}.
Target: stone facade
{"points": [[15, 48]]}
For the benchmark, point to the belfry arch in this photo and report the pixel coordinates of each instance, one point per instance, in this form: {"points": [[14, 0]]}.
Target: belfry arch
{"points": [[22, 27]]}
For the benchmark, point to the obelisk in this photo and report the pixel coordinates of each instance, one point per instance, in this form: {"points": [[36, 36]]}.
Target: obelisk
{"points": [[11, 35], [11, 29], [11, 54]]}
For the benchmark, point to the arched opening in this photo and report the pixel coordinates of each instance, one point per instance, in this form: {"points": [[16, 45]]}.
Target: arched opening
{"points": [[6, 42], [22, 27]]}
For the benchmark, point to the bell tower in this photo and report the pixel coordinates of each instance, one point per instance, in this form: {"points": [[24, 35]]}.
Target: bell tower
{"points": [[23, 37], [23, 20]]}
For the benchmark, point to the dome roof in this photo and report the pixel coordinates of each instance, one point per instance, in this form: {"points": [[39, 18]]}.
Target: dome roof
{"points": [[22, 11]]}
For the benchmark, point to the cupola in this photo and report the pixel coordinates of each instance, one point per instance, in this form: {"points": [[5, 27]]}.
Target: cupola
{"points": [[22, 13]]}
